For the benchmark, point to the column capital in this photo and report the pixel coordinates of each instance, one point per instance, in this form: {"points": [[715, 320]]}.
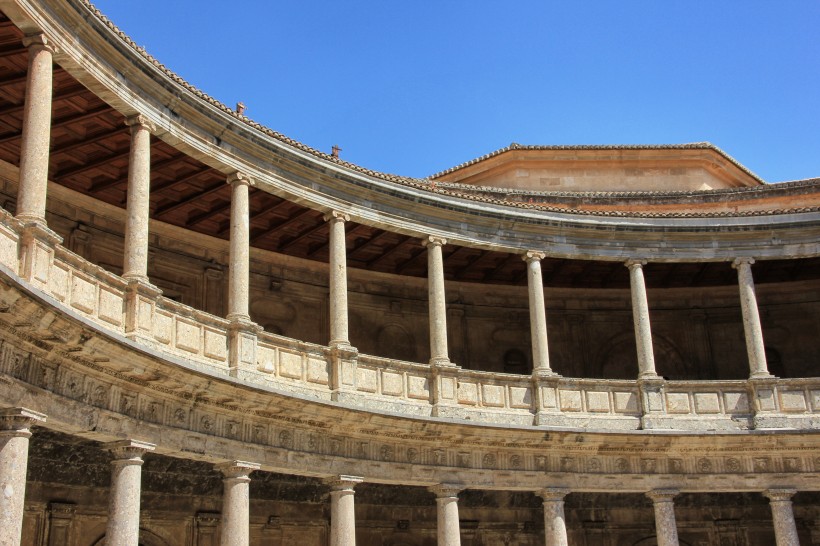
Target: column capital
{"points": [[129, 450], [18, 420], [336, 216], [533, 256], [344, 482], [780, 494], [139, 120], [240, 178], [633, 264], [446, 490], [552, 494], [738, 262], [40, 41], [433, 240], [237, 470], [662, 495]]}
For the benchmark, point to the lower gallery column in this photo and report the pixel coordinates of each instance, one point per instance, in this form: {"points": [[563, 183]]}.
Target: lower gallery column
{"points": [[785, 529], [123, 527], [236, 502], [34, 146], [438, 305], [14, 440], [449, 532], [665, 527], [640, 315], [751, 319], [342, 511], [555, 526]]}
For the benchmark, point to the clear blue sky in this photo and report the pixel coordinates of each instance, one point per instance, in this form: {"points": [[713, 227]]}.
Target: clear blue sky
{"points": [[413, 88]]}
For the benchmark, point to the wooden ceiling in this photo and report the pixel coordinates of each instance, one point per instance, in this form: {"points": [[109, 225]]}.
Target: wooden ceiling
{"points": [[89, 154]]}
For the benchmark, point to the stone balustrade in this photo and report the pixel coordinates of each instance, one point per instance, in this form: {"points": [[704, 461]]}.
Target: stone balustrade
{"points": [[382, 384]]}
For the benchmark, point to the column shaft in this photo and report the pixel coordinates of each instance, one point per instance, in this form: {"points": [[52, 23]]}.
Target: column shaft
{"points": [[34, 146], [666, 528], [14, 442], [437, 301], [785, 529], [135, 255], [751, 319], [555, 526], [239, 272], [124, 497], [339, 334], [448, 527], [640, 315], [342, 511], [538, 315], [236, 503]]}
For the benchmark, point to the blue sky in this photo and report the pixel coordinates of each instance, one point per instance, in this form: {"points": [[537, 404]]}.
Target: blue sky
{"points": [[413, 88]]}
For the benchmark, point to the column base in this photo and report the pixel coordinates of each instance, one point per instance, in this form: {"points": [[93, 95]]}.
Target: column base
{"points": [[343, 359], [242, 334], [140, 303], [37, 244]]}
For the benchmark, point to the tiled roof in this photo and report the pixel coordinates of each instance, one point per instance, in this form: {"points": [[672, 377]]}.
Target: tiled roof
{"points": [[688, 146]]}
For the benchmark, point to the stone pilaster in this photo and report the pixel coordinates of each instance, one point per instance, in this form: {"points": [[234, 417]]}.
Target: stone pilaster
{"points": [[342, 511], [242, 331], [449, 532], [438, 306], [124, 496], [34, 146], [135, 252], [751, 319], [538, 315], [60, 518], [640, 315], [15, 424], [236, 502], [666, 528], [555, 526], [785, 529]]}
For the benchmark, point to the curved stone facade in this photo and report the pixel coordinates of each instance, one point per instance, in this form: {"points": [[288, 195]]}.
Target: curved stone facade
{"points": [[210, 333]]}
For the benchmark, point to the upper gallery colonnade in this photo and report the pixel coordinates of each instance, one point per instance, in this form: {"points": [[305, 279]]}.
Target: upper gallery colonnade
{"points": [[32, 208]]}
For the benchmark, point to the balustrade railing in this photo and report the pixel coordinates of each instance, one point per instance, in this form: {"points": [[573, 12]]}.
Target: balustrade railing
{"points": [[383, 384]]}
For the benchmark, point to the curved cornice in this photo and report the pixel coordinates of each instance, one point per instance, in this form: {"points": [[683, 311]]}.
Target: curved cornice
{"points": [[108, 63]]}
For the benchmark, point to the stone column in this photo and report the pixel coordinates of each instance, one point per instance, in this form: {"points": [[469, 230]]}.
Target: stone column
{"points": [[123, 526], [236, 502], [665, 527], [241, 331], [135, 254], [34, 146], [640, 315], [240, 254], [751, 319], [449, 533], [342, 511], [538, 316], [338, 280], [555, 526], [785, 530], [15, 432], [437, 302]]}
